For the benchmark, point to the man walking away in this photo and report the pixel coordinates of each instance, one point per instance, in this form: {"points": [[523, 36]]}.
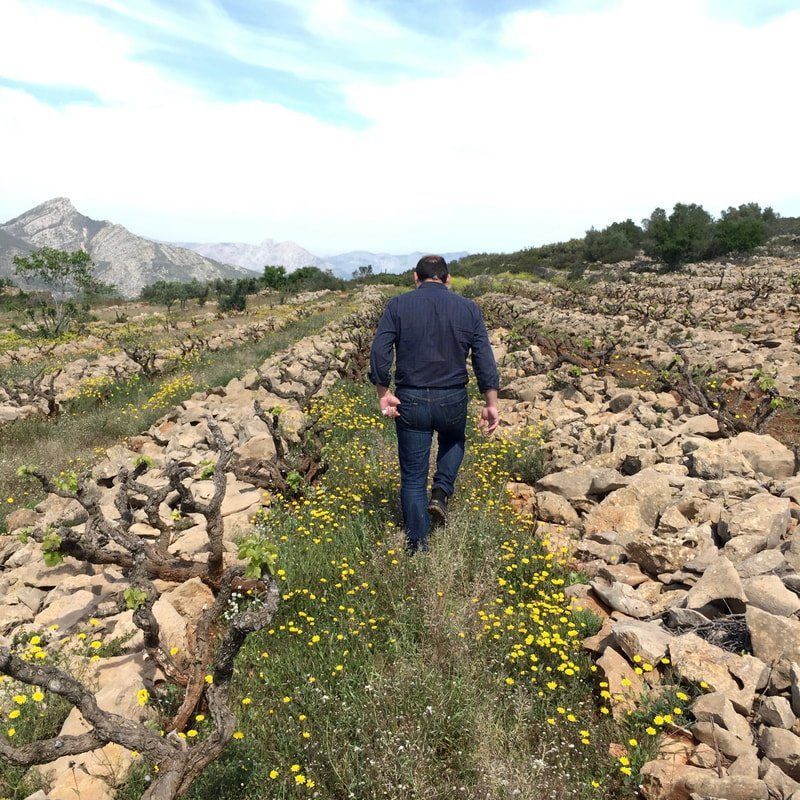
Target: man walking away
{"points": [[432, 331]]}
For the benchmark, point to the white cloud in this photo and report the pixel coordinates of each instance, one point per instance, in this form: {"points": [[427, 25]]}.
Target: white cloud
{"points": [[586, 118]]}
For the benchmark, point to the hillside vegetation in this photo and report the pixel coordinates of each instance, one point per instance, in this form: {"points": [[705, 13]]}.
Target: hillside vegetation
{"points": [[689, 233]]}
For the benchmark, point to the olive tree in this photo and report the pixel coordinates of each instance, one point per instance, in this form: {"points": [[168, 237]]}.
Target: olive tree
{"points": [[64, 275]]}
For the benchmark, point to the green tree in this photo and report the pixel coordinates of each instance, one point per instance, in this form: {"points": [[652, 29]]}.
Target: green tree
{"points": [[274, 277], [362, 272], [739, 230], [235, 299], [161, 292], [620, 241], [311, 279], [65, 276], [686, 235]]}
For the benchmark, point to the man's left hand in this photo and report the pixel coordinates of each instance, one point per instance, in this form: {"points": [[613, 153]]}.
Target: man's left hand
{"points": [[389, 404]]}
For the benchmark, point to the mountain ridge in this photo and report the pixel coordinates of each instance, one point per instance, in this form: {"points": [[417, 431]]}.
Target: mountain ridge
{"points": [[293, 256], [130, 262], [121, 258], [346, 263], [255, 257]]}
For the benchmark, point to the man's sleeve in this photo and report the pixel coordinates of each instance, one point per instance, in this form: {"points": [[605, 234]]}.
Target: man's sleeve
{"points": [[483, 362], [380, 357]]}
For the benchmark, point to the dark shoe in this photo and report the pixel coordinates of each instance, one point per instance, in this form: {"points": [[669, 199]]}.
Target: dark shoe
{"points": [[437, 506], [414, 548]]}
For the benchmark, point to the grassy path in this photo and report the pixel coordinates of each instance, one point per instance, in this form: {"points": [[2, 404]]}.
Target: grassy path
{"points": [[458, 674], [92, 424]]}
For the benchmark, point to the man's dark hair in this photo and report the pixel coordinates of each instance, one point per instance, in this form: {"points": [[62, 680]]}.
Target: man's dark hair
{"points": [[432, 267]]}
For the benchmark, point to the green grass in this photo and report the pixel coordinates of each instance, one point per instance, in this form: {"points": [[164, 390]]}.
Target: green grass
{"points": [[89, 426], [425, 677]]}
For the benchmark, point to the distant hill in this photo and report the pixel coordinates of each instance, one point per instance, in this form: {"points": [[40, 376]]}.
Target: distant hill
{"points": [[122, 259], [344, 264], [256, 256], [292, 256]]}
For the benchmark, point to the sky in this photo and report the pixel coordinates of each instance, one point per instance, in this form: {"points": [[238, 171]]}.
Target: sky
{"points": [[395, 125]]}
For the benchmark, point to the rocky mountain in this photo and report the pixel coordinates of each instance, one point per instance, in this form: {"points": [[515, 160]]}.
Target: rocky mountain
{"points": [[122, 259], [10, 246], [345, 264], [256, 256], [292, 256]]}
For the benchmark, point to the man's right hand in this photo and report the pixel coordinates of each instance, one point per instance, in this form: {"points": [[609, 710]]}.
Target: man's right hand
{"points": [[389, 404], [490, 419]]}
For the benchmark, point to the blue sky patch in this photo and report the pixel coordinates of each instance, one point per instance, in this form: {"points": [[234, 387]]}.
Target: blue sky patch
{"points": [[57, 96]]}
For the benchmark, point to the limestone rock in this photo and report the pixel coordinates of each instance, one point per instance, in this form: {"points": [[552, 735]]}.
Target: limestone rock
{"points": [[623, 682], [737, 677], [779, 783], [715, 707], [54, 510], [765, 454], [624, 573], [259, 448], [782, 748], [761, 563], [21, 518], [769, 593], [77, 782], [190, 598], [633, 509], [701, 425], [718, 591], [12, 615], [579, 483], [657, 556], [663, 779], [754, 524], [645, 639], [555, 508], [68, 609], [716, 459], [621, 597], [774, 638], [716, 736], [731, 787], [745, 766], [777, 712]]}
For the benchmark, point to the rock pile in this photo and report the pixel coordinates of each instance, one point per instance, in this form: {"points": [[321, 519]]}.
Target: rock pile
{"points": [[78, 373], [711, 321], [691, 550], [67, 596]]}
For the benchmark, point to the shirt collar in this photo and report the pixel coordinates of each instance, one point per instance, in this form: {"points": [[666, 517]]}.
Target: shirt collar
{"points": [[431, 283]]}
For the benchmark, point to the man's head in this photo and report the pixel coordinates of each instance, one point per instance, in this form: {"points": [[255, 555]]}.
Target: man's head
{"points": [[431, 268]]}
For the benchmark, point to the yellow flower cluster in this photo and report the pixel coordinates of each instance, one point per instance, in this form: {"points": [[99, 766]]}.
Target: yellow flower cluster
{"points": [[168, 393]]}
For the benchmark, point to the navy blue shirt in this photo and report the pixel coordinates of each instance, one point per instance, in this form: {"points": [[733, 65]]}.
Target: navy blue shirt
{"points": [[432, 331]]}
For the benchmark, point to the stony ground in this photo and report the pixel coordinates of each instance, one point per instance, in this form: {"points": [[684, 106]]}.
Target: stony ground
{"points": [[664, 415], [40, 378], [683, 520]]}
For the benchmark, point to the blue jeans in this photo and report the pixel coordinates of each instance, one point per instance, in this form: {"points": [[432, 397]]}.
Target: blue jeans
{"points": [[423, 411]]}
